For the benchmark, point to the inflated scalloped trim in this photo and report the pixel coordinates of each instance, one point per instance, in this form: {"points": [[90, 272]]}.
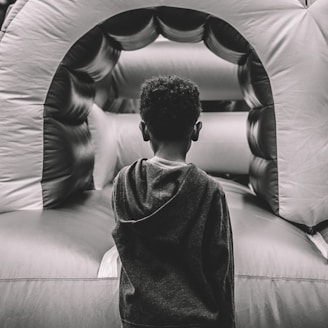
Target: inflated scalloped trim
{"points": [[98, 51]]}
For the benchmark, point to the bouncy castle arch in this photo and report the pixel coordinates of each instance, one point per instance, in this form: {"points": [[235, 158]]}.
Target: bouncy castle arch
{"points": [[289, 166], [97, 53]]}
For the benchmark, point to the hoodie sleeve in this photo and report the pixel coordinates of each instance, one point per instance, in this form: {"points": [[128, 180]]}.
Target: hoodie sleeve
{"points": [[218, 255]]}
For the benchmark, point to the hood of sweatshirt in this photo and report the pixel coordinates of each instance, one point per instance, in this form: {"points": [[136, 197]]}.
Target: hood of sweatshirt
{"points": [[167, 221], [156, 201]]}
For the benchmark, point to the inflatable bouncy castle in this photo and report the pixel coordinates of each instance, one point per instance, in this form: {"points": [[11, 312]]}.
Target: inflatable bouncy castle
{"points": [[70, 73]]}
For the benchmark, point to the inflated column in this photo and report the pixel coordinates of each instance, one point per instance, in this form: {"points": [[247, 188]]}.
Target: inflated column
{"points": [[228, 43], [68, 149], [261, 130]]}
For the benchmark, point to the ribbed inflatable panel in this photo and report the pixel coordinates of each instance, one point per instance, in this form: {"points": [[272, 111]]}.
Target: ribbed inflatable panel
{"points": [[262, 133], [261, 130], [133, 29], [68, 151], [94, 54], [225, 41], [181, 25]]}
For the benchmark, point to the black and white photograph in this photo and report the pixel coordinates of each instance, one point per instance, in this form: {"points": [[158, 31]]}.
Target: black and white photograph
{"points": [[163, 164]]}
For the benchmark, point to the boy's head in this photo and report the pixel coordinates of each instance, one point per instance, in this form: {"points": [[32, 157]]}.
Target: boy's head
{"points": [[170, 107]]}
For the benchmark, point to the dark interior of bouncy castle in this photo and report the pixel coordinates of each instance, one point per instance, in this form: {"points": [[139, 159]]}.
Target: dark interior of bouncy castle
{"points": [[58, 268]]}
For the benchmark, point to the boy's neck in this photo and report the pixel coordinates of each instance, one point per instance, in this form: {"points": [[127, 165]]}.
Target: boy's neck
{"points": [[171, 151]]}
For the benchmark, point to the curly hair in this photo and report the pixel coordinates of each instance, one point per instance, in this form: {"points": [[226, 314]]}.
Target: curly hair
{"points": [[170, 106]]}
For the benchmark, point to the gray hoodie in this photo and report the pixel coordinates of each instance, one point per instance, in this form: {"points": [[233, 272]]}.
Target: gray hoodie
{"points": [[174, 238]]}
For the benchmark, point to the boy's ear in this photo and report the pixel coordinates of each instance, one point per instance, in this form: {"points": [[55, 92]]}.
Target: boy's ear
{"points": [[195, 132], [144, 131]]}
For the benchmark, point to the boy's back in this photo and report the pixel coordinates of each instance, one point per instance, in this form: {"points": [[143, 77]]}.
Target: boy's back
{"points": [[173, 230], [174, 239]]}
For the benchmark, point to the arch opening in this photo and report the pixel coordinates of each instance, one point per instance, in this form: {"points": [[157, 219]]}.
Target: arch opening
{"points": [[87, 70]]}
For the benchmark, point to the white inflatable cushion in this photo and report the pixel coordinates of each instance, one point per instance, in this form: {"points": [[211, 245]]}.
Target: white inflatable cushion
{"points": [[222, 146]]}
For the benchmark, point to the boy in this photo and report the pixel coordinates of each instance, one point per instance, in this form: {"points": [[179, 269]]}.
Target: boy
{"points": [[173, 230]]}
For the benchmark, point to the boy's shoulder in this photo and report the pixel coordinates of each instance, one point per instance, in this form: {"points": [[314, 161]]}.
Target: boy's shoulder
{"points": [[198, 174], [213, 183], [128, 168]]}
